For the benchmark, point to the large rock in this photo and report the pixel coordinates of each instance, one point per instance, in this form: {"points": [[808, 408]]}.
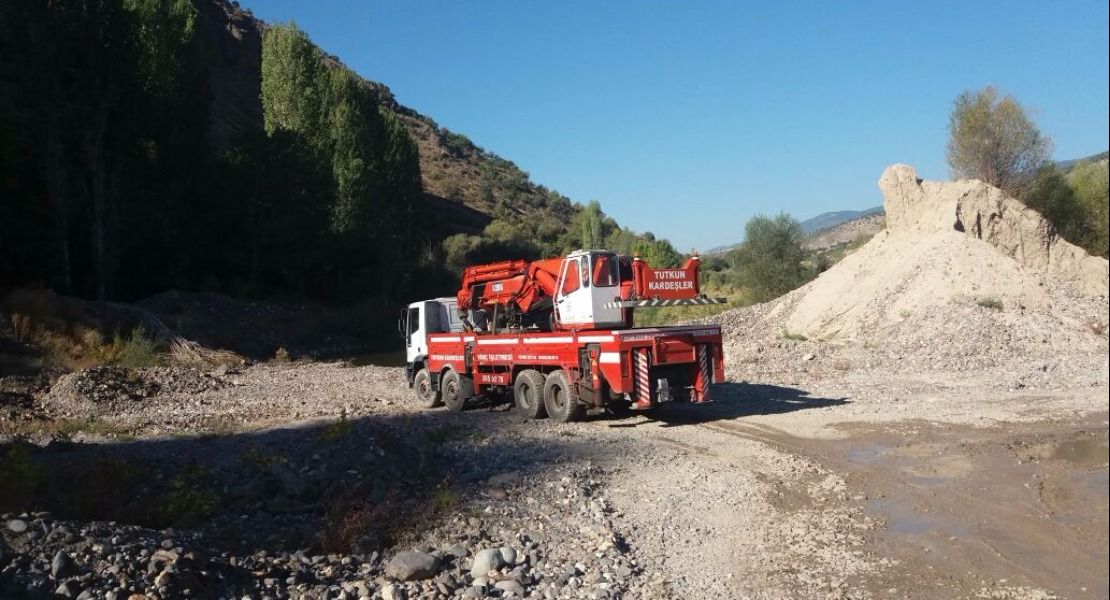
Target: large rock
{"points": [[486, 561], [412, 565], [986, 213]]}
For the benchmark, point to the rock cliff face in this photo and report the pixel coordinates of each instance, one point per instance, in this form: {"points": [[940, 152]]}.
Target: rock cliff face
{"points": [[454, 171], [231, 41], [984, 212]]}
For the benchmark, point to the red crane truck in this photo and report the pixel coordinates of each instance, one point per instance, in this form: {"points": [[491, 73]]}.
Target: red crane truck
{"points": [[559, 334]]}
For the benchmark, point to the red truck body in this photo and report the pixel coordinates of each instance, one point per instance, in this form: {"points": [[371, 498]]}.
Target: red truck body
{"points": [[601, 364]]}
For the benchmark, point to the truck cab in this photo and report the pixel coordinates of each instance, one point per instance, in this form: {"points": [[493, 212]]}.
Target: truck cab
{"points": [[419, 320]]}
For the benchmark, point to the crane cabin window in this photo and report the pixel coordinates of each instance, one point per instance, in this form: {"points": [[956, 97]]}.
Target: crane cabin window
{"points": [[570, 277], [605, 270]]}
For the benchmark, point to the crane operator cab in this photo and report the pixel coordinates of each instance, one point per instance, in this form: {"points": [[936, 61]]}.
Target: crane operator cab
{"points": [[588, 283]]}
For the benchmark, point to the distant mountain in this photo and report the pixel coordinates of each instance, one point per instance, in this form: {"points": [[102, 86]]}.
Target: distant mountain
{"points": [[821, 222], [1067, 165], [832, 219]]}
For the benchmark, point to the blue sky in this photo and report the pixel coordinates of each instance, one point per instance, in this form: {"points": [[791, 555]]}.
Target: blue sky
{"points": [[687, 118]]}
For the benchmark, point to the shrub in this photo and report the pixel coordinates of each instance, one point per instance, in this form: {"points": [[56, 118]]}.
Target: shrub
{"points": [[138, 350], [337, 430], [797, 337], [991, 303], [19, 478], [188, 499]]}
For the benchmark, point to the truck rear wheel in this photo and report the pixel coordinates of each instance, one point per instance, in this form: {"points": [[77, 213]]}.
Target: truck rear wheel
{"points": [[559, 398], [426, 397], [456, 390], [528, 394]]}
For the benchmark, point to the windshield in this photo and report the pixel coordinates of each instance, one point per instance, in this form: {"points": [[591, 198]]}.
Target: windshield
{"points": [[605, 270]]}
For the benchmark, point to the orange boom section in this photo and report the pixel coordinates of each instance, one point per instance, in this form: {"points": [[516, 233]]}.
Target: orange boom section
{"points": [[521, 283]]}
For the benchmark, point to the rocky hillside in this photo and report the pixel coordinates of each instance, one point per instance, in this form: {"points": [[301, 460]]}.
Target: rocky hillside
{"points": [[453, 169], [847, 232], [828, 220]]}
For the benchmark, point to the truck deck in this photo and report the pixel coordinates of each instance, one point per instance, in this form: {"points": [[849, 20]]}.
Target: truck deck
{"points": [[645, 366]]}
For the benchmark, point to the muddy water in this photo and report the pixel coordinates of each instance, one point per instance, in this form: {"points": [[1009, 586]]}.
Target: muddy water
{"points": [[971, 511]]}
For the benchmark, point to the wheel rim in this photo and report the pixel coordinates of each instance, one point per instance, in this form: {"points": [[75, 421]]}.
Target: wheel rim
{"points": [[526, 393], [424, 389], [559, 396], [450, 391]]}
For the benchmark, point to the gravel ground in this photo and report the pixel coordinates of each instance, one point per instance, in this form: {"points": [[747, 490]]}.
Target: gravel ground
{"points": [[323, 480]]}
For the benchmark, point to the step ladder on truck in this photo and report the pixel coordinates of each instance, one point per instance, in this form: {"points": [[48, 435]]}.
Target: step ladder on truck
{"points": [[558, 333]]}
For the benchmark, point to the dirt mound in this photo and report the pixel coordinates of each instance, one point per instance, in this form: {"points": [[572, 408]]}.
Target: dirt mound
{"points": [[108, 390], [963, 278], [982, 211]]}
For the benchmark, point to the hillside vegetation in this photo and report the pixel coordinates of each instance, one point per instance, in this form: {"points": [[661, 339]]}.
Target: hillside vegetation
{"points": [[148, 145]]}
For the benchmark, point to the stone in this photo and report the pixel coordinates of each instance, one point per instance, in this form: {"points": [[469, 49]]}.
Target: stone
{"points": [[393, 592], [485, 561], [507, 554], [17, 525], [411, 565], [455, 551], [503, 480], [61, 566], [510, 586], [67, 589]]}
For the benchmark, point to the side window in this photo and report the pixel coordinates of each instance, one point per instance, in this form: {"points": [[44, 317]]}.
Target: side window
{"points": [[605, 270], [414, 320], [570, 281], [586, 272]]}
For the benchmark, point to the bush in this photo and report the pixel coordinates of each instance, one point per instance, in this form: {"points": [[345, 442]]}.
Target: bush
{"points": [[138, 350], [772, 260], [991, 303], [19, 478]]}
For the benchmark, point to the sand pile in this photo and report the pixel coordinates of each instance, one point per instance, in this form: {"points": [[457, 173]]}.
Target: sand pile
{"points": [[963, 278]]}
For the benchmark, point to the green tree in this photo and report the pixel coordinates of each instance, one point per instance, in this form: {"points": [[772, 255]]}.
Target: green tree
{"points": [[993, 139], [657, 253], [589, 225], [293, 82], [1089, 183], [772, 260]]}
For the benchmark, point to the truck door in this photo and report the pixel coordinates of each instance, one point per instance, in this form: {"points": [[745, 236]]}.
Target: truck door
{"points": [[604, 275], [416, 338], [572, 303]]}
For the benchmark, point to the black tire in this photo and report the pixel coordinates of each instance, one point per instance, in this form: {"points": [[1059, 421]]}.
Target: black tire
{"points": [[426, 397], [528, 394], [560, 400], [456, 390]]}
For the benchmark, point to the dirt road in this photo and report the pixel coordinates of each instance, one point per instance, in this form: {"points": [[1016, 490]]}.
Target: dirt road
{"points": [[886, 490]]}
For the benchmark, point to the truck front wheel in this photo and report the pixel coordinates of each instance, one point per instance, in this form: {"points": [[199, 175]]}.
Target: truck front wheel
{"points": [[528, 394], [425, 395], [559, 399]]}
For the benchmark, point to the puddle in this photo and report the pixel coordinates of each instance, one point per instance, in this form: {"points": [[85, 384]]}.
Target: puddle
{"points": [[868, 452], [1087, 452], [902, 518]]}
